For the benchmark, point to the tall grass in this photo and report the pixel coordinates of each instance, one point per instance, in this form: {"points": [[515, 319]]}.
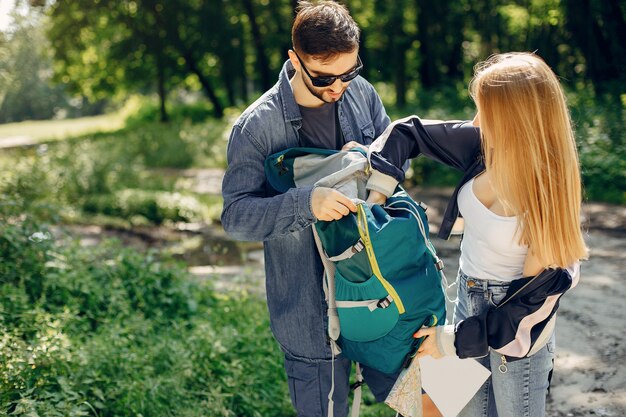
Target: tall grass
{"points": [[108, 331]]}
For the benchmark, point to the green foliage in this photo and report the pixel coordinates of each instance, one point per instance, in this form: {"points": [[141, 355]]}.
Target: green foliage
{"points": [[110, 49], [128, 174], [148, 112], [26, 91], [112, 332], [599, 119], [153, 206]]}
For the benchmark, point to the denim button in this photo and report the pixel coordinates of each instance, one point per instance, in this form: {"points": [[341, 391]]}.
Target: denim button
{"points": [[471, 283]]}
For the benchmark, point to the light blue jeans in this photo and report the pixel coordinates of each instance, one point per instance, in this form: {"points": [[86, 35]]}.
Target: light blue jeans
{"points": [[521, 390]]}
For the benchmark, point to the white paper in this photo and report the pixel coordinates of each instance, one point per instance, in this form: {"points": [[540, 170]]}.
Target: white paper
{"points": [[451, 382]]}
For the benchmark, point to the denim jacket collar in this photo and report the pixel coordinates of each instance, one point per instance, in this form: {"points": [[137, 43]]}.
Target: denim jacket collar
{"points": [[291, 110]]}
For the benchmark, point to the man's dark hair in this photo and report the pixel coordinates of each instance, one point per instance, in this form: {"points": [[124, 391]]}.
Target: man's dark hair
{"points": [[324, 29]]}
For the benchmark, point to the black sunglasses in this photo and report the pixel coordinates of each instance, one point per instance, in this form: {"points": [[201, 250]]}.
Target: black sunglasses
{"points": [[326, 80]]}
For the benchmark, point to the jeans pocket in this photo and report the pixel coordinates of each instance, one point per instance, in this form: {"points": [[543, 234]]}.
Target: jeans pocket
{"points": [[496, 294]]}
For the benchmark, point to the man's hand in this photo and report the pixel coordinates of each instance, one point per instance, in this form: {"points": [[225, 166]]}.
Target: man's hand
{"points": [[328, 204], [376, 197], [352, 144], [429, 345]]}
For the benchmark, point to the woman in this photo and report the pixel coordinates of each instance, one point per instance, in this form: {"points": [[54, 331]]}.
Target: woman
{"points": [[520, 199]]}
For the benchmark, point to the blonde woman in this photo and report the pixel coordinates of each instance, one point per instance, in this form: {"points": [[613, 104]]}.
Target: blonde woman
{"points": [[520, 199]]}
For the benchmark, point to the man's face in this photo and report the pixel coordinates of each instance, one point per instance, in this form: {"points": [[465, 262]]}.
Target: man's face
{"points": [[339, 65]]}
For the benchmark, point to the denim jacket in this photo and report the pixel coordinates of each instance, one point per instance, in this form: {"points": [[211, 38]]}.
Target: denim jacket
{"points": [[252, 211]]}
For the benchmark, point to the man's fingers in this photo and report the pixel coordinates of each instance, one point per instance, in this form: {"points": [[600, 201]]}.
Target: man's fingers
{"points": [[333, 213], [345, 201], [336, 214], [329, 204], [341, 208]]}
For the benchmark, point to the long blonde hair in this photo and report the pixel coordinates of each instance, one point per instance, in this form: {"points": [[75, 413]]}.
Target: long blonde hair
{"points": [[530, 153]]}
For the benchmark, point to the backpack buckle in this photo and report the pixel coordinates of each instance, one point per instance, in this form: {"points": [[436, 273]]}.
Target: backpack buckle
{"points": [[439, 264], [358, 246], [384, 302], [356, 385]]}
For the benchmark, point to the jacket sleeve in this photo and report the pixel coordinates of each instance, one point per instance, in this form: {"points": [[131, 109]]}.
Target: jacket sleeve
{"points": [[520, 321], [453, 143], [249, 213]]}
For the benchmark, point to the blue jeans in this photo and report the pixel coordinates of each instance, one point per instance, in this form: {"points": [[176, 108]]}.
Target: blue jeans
{"points": [[310, 382], [521, 390]]}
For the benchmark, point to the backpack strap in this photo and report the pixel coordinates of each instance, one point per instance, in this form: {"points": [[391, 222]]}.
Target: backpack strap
{"points": [[361, 220], [356, 402], [333, 318], [348, 253], [329, 271], [334, 328]]}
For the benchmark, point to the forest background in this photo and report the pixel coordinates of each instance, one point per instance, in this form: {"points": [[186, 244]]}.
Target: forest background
{"points": [[119, 293]]}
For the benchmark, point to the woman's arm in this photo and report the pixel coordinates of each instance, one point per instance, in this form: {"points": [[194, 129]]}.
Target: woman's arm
{"points": [[453, 143]]}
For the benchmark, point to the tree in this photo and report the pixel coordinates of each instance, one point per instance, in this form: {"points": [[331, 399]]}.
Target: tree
{"points": [[109, 47], [25, 72], [599, 29]]}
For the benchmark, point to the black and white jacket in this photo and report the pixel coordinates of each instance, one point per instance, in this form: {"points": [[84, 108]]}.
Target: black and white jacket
{"points": [[524, 320]]}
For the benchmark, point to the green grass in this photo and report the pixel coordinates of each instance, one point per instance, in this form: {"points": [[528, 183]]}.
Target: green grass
{"points": [[109, 331], [133, 174], [51, 130]]}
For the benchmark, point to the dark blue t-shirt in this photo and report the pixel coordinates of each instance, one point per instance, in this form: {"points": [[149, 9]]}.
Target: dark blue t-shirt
{"points": [[320, 127]]}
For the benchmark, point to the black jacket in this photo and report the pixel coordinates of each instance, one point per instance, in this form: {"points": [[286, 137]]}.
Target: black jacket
{"points": [[516, 324], [455, 144]]}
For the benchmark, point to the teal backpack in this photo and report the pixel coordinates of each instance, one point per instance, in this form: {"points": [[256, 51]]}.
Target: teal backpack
{"points": [[383, 276]]}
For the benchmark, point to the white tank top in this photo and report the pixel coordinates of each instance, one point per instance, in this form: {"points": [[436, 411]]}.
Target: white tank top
{"points": [[489, 249]]}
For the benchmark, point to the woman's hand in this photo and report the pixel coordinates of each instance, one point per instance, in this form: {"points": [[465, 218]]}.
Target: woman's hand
{"points": [[376, 197], [429, 344], [352, 144]]}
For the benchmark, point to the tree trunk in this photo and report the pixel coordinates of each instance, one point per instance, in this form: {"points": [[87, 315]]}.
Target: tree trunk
{"points": [[429, 62], [161, 89], [615, 33], [192, 66], [261, 58], [398, 47], [294, 6], [588, 35], [280, 28], [454, 51]]}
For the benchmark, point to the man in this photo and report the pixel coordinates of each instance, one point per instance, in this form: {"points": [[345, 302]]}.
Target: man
{"points": [[319, 101]]}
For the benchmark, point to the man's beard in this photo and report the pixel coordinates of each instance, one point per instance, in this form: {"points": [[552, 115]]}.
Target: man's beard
{"points": [[317, 93]]}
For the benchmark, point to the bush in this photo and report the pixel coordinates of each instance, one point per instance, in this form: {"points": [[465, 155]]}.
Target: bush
{"points": [[148, 111], [112, 332], [153, 206], [99, 173]]}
